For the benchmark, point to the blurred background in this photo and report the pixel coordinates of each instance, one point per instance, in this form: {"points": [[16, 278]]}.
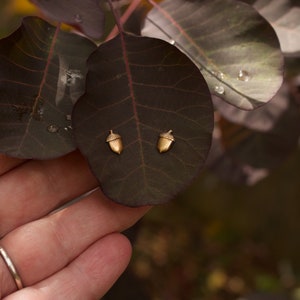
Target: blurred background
{"points": [[216, 241]]}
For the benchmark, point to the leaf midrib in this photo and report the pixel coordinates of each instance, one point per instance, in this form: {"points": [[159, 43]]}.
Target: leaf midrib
{"points": [[191, 41], [133, 98], [35, 106]]}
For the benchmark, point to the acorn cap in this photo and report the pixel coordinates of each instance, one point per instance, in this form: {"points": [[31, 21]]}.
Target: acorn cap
{"points": [[112, 136], [167, 135]]}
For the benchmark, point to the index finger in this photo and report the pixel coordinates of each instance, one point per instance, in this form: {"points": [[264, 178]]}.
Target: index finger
{"points": [[35, 188], [7, 163]]}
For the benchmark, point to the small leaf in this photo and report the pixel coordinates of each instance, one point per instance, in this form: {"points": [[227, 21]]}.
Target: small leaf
{"points": [[236, 49], [85, 14], [140, 87], [42, 74]]}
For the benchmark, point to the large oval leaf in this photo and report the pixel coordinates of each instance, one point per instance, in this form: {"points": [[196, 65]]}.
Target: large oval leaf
{"points": [[86, 15], [42, 74], [236, 49], [140, 87]]}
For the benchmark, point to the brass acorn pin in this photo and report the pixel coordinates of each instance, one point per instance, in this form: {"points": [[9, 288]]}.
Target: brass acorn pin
{"points": [[114, 141], [165, 141]]}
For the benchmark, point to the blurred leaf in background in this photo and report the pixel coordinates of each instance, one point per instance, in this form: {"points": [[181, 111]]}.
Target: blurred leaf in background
{"points": [[12, 12]]}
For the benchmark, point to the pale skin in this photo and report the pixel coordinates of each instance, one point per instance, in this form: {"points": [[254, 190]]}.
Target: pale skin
{"points": [[74, 253]]}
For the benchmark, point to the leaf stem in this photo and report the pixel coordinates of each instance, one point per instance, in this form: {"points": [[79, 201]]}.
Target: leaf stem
{"points": [[133, 5], [116, 16], [43, 82]]}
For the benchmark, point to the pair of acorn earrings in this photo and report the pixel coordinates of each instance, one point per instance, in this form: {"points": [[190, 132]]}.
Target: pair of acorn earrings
{"points": [[165, 141]]}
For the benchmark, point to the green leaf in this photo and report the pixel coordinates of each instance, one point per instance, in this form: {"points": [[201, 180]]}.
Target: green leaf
{"points": [[86, 15], [236, 49], [140, 87], [42, 74]]}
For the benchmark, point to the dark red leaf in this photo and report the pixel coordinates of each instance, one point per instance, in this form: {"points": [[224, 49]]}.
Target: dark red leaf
{"points": [[42, 74], [85, 14], [140, 87]]}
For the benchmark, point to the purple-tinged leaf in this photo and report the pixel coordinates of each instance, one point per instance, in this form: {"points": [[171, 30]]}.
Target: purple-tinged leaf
{"points": [[236, 49], [140, 87], [284, 16], [262, 119], [42, 74], [84, 14], [254, 146]]}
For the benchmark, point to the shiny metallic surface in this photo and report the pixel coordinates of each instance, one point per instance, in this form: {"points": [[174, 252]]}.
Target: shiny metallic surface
{"points": [[115, 142]]}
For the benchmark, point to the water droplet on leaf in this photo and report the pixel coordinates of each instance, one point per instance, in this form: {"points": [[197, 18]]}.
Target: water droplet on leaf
{"points": [[217, 74], [243, 76], [70, 76], [52, 128], [68, 117], [220, 75], [40, 113], [220, 89], [68, 128], [78, 18]]}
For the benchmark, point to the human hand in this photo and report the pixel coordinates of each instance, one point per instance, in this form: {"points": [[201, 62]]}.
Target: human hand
{"points": [[73, 253]]}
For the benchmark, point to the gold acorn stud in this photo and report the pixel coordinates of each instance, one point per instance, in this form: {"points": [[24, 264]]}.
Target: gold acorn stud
{"points": [[165, 141], [114, 141]]}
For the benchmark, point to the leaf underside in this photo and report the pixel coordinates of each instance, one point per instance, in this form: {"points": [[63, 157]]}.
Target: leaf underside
{"points": [[42, 74], [263, 147], [140, 87], [86, 15], [263, 119], [235, 48], [284, 16]]}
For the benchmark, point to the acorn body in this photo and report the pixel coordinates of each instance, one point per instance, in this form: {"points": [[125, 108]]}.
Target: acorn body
{"points": [[114, 141], [165, 141]]}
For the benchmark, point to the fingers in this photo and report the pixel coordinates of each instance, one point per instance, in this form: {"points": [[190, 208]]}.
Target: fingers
{"points": [[8, 163], [35, 188], [88, 277], [41, 248]]}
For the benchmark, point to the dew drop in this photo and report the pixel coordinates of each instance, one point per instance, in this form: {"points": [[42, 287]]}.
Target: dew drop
{"points": [[217, 74], [172, 42], [220, 89], [78, 18], [220, 75], [243, 76], [52, 128], [40, 113], [68, 128], [68, 117], [70, 77]]}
